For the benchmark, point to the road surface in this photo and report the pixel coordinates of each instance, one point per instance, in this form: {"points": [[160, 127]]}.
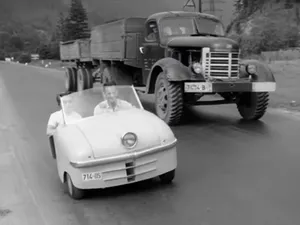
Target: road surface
{"points": [[229, 172]]}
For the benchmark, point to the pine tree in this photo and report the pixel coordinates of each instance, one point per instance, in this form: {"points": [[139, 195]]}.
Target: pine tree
{"points": [[77, 21]]}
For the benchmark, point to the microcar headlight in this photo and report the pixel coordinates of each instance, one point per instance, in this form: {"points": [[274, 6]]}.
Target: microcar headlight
{"points": [[251, 69], [197, 68], [129, 140]]}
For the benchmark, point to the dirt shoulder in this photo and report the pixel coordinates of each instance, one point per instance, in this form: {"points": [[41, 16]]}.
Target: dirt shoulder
{"points": [[17, 203]]}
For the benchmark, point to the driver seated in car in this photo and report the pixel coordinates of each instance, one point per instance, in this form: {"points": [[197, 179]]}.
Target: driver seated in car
{"points": [[56, 119], [112, 103]]}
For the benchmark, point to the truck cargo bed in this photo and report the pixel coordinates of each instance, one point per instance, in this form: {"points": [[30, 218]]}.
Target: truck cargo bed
{"points": [[118, 40], [75, 50]]}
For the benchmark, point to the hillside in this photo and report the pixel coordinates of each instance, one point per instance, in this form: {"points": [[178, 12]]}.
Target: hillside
{"points": [[270, 27], [45, 12], [31, 22]]}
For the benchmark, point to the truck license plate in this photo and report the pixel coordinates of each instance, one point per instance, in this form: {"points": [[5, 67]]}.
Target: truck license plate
{"points": [[197, 87], [91, 176]]}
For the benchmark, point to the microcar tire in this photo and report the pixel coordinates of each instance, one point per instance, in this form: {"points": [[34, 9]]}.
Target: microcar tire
{"points": [[168, 177], [52, 147], [253, 105], [70, 79], [84, 79], [73, 191], [168, 100]]}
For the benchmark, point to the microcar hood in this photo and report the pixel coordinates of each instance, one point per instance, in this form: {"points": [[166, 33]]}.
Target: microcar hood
{"points": [[104, 132], [210, 42]]}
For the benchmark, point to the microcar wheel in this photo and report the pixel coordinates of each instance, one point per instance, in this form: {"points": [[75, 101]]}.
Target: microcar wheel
{"points": [[84, 79], [70, 79], [73, 191], [253, 105], [167, 178], [168, 100], [52, 147]]}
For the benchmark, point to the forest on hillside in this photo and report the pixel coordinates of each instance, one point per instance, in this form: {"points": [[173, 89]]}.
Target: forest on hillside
{"points": [[265, 25], [258, 25]]}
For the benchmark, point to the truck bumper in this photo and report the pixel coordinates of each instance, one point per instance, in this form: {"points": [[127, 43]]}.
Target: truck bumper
{"points": [[212, 87]]}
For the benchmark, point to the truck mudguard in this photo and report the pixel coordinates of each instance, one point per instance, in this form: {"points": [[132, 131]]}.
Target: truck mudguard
{"points": [[264, 73], [174, 70]]}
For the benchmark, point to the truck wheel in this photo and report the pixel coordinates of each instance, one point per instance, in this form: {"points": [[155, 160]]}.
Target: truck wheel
{"points": [[253, 105], [70, 79], [167, 178], [73, 191], [168, 100], [90, 77], [84, 79]]}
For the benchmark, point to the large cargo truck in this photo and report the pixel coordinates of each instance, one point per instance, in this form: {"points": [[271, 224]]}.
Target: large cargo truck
{"points": [[178, 56]]}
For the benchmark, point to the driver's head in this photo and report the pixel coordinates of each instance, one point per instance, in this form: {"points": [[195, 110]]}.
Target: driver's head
{"points": [[110, 92], [154, 28]]}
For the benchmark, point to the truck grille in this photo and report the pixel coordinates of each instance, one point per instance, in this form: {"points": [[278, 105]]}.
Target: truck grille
{"points": [[222, 64]]}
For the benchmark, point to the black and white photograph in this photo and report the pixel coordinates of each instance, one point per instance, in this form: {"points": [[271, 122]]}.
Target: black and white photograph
{"points": [[162, 112]]}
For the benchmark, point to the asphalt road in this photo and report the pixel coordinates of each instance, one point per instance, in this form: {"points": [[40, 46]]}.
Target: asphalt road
{"points": [[229, 172]]}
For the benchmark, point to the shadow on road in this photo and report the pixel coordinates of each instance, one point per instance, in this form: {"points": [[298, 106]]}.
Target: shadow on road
{"points": [[147, 186], [195, 118]]}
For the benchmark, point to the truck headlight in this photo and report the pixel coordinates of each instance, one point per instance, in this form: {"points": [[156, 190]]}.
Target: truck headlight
{"points": [[197, 68], [129, 140], [251, 69]]}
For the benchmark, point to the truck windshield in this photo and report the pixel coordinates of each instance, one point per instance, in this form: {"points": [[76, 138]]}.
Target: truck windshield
{"points": [[191, 26]]}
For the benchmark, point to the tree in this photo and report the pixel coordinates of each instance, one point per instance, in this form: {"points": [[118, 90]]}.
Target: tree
{"points": [[77, 22], [60, 32], [288, 4], [16, 42]]}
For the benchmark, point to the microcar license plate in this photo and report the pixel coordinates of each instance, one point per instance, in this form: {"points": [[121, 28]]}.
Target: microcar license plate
{"points": [[91, 176], [197, 87]]}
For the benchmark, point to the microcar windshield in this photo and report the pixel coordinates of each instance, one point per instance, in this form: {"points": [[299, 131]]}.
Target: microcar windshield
{"points": [[186, 26], [99, 101]]}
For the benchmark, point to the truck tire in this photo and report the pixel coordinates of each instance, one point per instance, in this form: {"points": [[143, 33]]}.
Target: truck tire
{"points": [[70, 79], [84, 79], [253, 105], [90, 77], [168, 100]]}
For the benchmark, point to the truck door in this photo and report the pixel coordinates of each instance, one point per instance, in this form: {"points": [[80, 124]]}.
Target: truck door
{"points": [[151, 49]]}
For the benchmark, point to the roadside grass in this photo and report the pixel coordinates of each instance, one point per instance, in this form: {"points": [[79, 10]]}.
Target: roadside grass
{"points": [[287, 75], [54, 64]]}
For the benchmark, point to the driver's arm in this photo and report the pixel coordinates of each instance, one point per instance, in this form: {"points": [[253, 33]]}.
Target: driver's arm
{"points": [[98, 110], [52, 125]]}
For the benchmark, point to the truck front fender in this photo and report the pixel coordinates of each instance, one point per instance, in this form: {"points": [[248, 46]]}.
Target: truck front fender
{"points": [[264, 73], [174, 71]]}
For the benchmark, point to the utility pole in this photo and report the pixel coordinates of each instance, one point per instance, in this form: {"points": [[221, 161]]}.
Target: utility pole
{"points": [[212, 6], [200, 6]]}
